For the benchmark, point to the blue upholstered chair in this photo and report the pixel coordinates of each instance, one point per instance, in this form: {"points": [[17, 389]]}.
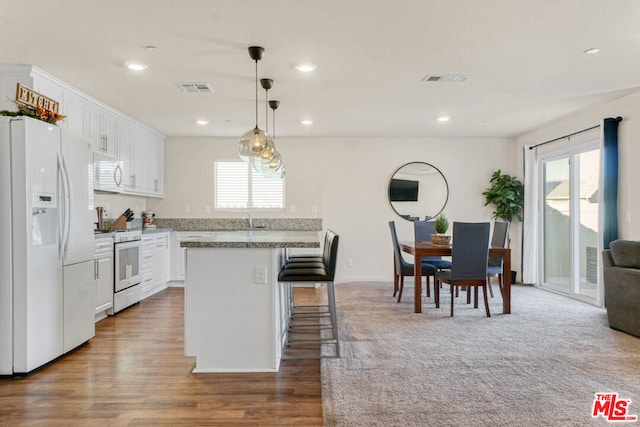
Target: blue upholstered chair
{"points": [[469, 257], [404, 268], [422, 231]]}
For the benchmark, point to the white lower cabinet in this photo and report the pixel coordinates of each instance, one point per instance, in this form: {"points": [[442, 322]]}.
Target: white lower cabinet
{"points": [[154, 263], [178, 254], [104, 277]]}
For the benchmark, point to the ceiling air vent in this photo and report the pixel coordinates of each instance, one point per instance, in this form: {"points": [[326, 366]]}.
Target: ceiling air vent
{"points": [[195, 87], [445, 78]]}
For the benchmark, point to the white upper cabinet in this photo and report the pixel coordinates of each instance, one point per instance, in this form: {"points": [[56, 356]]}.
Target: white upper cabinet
{"points": [[102, 130], [139, 150], [141, 154], [75, 109]]}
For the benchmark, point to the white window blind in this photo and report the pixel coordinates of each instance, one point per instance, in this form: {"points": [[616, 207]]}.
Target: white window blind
{"points": [[239, 186]]}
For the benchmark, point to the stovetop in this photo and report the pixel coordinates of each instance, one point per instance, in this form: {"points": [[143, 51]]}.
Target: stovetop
{"points": [[121, 235]]}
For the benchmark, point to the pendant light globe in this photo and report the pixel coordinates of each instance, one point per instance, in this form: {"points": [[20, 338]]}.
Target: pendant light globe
{"points": [[269, 148], [275, 167], [253, 142]]}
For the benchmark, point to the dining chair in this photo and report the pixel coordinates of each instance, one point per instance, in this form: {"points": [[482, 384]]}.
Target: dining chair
{"points": [[422, 231], [495, 264], [404, 268], [469, 258]]}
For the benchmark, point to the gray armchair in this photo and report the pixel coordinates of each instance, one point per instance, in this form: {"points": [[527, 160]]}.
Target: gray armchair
{"points": [[621, 266]]}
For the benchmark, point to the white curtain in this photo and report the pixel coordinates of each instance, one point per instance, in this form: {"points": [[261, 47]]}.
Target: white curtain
{"points": [[529, 225]]}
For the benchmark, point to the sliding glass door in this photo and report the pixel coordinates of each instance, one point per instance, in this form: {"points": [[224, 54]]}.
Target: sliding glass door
{"points": [[570, 222]]}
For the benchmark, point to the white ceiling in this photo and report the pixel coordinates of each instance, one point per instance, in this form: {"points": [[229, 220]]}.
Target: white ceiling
{"points": [[525, 59]]}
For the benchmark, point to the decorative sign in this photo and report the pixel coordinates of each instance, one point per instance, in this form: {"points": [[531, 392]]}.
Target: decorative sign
{"points": [[31, 99]]}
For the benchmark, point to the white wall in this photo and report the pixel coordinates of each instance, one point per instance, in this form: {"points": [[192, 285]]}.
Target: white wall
{"points": [[346, 178], [628, 152]]}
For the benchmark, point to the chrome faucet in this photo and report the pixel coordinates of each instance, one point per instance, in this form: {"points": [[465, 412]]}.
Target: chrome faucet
{"points": [[249, 220]]}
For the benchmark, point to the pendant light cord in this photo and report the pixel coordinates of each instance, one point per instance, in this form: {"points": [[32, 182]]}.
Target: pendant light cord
{"points": [[266, 111], [256, 94]]}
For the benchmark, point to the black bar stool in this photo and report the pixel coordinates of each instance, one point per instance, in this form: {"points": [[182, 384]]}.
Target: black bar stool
{"points": [[313, 271]]}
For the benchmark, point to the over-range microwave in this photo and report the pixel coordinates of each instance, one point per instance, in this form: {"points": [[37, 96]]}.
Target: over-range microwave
{"points": [[107, 173]]}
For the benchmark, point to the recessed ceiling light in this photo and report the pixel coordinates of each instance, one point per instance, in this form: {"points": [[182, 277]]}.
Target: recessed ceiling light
{"points": [[136, 66], [592, 51], [305, 68], [202, 122], [443, 118], [306, 122], [152, 49]]}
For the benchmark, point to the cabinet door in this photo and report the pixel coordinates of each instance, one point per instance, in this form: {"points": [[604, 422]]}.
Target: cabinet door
{"points": [[125, 144], [48, 88], [109, 130], [156, 166], [161, 259], [79, 293], [140, 159], [94, 117], [104, 286], [74, 109], [102, 130]]}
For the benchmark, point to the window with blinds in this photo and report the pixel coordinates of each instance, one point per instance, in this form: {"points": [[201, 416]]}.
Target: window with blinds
{"points": [[239, 186]]}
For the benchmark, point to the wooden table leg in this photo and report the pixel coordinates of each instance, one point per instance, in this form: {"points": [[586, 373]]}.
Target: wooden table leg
{"points": [[506, 297], [417, 271]]}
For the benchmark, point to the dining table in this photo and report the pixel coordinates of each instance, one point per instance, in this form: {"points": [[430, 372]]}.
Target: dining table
{"points": [[428, 249]]}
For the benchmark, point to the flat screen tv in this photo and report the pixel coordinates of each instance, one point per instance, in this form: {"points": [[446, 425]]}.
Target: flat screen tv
{"points": [[403, 190]]}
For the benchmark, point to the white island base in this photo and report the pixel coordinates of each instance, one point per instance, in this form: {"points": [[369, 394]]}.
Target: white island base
{"points": [[232, 323]]}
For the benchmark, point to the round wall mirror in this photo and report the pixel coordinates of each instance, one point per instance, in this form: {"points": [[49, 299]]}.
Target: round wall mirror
{"points": [[418, 191]]}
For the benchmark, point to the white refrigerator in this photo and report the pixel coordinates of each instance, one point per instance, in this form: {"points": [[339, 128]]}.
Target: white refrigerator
{"points": [[47, 276]]}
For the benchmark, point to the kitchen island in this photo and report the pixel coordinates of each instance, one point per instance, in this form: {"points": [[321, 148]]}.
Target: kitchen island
{"points": [[235, 310]]}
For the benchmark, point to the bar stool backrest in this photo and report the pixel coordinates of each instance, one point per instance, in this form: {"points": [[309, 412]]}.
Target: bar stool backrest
{"points": [[331, 253]]}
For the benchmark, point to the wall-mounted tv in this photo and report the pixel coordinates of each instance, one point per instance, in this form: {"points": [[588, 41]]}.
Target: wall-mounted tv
{"points": [[403, 190]]}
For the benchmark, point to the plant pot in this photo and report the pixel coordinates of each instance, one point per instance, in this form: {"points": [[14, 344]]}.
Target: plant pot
{"points": [[440, 239]]}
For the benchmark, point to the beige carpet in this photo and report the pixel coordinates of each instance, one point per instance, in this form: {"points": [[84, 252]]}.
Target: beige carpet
{"points": [[539, 366]]}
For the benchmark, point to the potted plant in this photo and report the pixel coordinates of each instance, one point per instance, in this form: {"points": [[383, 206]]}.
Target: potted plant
{"points": [[441, 225], [506, 194]]}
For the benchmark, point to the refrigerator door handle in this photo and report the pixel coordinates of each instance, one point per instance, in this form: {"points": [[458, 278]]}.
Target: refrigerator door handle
{"points": [[67, 206], [61, 216]]}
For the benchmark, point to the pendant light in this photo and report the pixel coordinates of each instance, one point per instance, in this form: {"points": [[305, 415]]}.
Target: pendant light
{"points": [[275, 168], [266, 154], [254, 141]]}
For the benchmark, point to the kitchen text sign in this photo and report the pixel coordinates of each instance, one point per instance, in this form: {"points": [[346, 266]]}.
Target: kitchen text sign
{"points": [[30, 98]]}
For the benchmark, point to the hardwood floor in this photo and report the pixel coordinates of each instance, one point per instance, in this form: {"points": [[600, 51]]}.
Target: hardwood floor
{"points": [[134, 373]]}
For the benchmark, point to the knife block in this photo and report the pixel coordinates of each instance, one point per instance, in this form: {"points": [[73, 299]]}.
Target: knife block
{"points": [[120, 223]]}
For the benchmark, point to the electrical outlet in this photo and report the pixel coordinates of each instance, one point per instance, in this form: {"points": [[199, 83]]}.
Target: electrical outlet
{"points": [[187, 208], [314, 209], [349, 262], [292, 209], [207, 208], [261, 275]]}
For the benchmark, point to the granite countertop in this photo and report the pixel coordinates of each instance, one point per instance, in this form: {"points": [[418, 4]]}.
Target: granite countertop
{"points": [[257, 239], [236, 224]]}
